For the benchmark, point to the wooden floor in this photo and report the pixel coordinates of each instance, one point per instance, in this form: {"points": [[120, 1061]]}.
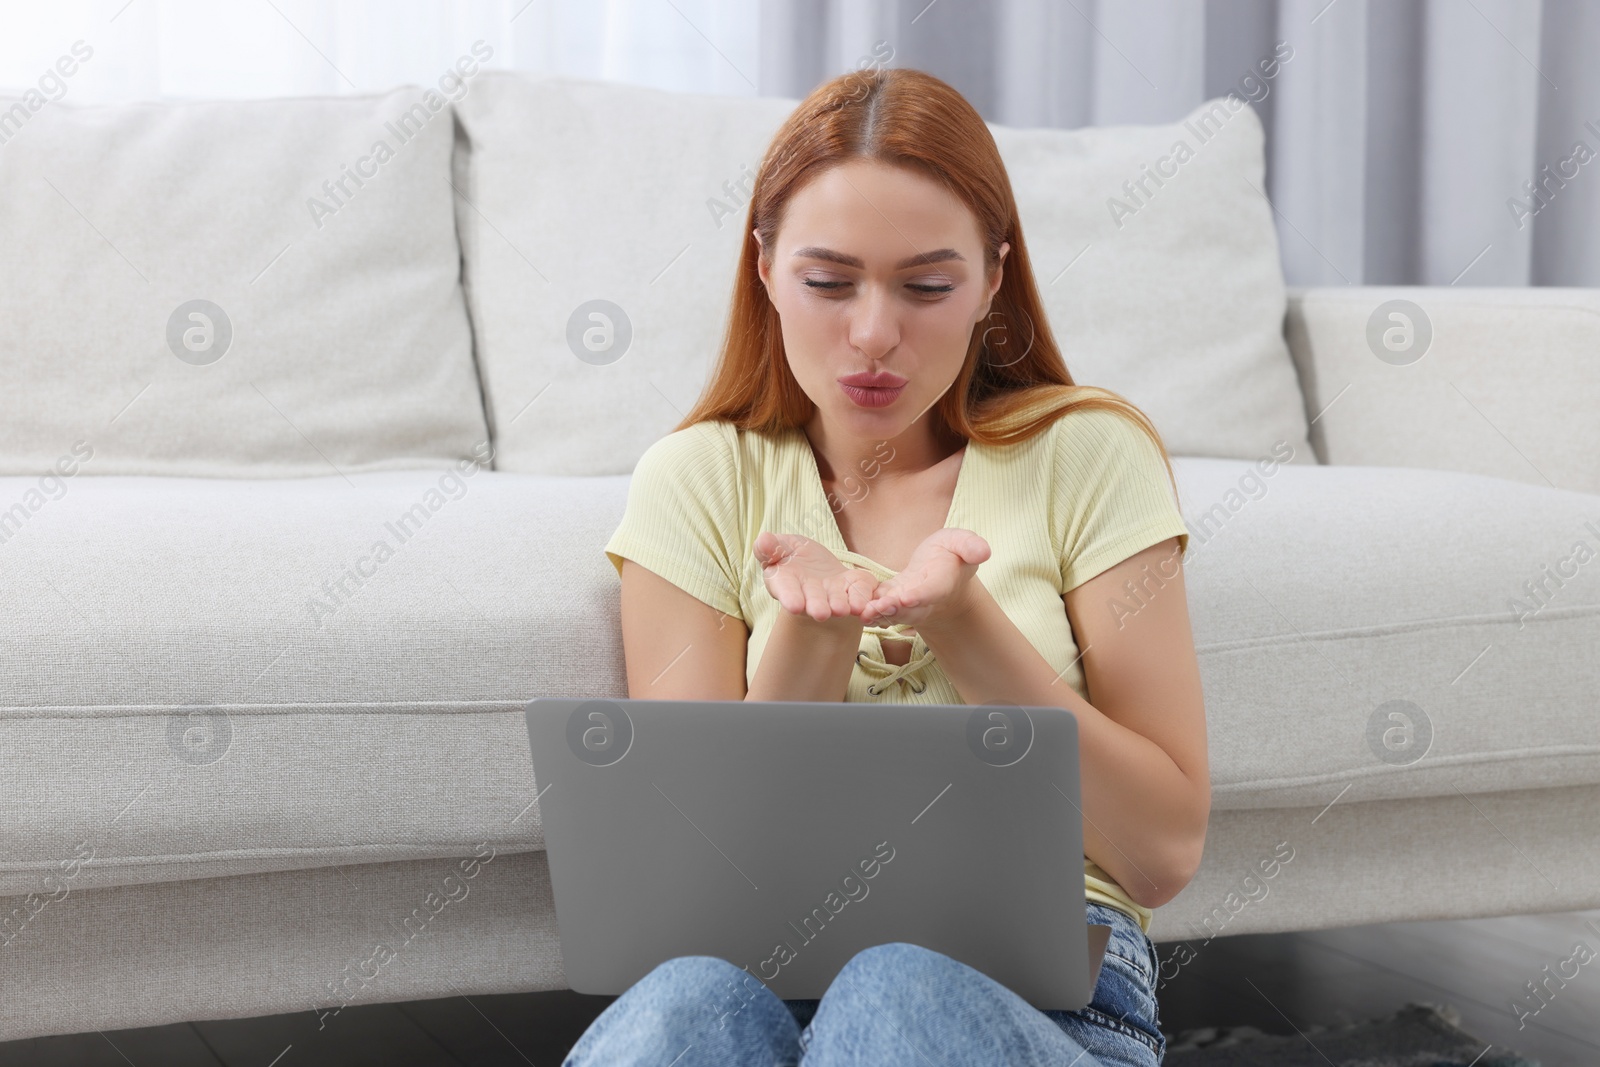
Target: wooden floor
{"points": [[1278, 983]]}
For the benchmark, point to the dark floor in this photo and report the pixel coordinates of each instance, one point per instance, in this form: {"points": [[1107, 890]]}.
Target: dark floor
{"points": [[1276, 982]]}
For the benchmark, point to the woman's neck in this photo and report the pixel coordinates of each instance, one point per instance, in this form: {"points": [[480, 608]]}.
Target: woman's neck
{"points": [[914, 450]]}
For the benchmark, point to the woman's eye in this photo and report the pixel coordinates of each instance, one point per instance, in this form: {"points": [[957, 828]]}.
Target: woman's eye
{"points": [[920, 288]]}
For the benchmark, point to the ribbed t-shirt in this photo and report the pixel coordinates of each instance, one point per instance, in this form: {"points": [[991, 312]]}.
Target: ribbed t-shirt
{"points": [[1057, 509]]}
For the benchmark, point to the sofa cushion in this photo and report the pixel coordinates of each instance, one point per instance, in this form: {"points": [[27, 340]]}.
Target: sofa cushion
{"points": [[1430, 384], [218, 676], [1416, 632], [211, 676], [579, 191], [215, 289]]}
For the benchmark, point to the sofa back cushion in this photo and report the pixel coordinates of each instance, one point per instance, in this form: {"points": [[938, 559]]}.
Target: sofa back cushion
{"points": [[601, 226], [1509, 386], [260, 288]]}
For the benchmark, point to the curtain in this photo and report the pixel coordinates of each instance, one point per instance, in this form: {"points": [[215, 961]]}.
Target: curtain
{"points": [[1431, 142], [1408, 142]]}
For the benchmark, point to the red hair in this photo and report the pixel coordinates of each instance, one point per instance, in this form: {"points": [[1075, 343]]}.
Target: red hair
{"points": [[906, 118]]}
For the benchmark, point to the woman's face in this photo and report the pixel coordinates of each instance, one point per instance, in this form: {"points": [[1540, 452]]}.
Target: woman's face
{"points": [[877, 269]]}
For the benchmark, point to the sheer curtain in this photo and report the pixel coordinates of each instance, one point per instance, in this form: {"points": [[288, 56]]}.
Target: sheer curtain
{"points": [[1429, 142], [251, 48], [1408, 141]]}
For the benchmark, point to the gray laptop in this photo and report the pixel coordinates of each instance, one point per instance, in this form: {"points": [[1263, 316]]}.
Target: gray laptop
{"points": [[786, 837]]}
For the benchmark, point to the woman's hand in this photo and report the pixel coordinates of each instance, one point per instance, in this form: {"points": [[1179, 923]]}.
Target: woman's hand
{"points": [[807, 579], [934, 583]]}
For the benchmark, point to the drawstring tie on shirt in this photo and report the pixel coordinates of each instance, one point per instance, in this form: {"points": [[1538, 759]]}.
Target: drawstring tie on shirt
{"points": [[888, 673]]}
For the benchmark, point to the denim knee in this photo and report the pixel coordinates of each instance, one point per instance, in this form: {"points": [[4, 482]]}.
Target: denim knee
{"points": [[691, 1001], [695, 971], [893, 959], [899, 972], [891, 1000], [704, 981]]}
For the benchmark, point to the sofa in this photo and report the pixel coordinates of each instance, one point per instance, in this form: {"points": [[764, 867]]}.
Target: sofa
{"points": [[317, 412]]}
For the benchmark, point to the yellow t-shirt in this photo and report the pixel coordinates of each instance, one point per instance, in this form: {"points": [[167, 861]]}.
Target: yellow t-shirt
{"points": [[1057, 509]]}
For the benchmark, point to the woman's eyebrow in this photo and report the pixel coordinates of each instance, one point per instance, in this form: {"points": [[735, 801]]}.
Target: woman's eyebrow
{"points": [[919, 260]]}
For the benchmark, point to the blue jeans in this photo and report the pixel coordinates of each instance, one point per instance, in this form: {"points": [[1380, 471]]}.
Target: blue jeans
{"points": [[891, 1004]]}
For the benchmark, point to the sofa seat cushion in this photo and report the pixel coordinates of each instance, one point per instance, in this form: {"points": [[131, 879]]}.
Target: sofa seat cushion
{"points": [[210, 677], [185, 696], [1327, 600]]}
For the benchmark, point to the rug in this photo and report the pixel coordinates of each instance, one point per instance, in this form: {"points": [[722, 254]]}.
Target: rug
{"points": [[1418, 1035]]}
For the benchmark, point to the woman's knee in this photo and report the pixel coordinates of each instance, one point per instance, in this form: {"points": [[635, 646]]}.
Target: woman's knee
{"points": [[700, 1001], [895, 961], [703, 981], [903, 974], [896, 998]]}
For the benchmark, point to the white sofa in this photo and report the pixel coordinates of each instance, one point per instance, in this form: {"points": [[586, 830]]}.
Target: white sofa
{"points": [[256, 763]]}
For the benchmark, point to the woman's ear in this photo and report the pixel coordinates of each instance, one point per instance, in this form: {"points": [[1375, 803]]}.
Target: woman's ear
{"points": [[994, 282], [763, 268]]}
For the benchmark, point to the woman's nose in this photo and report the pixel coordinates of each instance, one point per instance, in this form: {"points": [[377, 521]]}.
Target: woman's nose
{"points": [[874, 327]]}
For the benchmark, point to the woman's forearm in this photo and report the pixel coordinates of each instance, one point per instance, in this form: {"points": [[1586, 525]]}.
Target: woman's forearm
{"points": [[1142, 814], [807, 660]]}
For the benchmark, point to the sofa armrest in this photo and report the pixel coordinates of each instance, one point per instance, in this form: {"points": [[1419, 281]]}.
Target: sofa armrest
{"points": [[1497, 381]]}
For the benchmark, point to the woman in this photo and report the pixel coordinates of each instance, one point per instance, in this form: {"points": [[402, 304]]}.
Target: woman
{"points": [[889, 412]]}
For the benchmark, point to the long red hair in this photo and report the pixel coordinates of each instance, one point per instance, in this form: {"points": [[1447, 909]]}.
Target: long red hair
{"points": [[905, 118]]}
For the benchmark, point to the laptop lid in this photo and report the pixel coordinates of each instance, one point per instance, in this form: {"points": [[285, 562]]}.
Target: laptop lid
{"points": [[786, 837]]}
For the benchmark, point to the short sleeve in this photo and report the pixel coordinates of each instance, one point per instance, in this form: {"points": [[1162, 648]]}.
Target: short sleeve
{"points": [[1112, 495], [682, 515]]}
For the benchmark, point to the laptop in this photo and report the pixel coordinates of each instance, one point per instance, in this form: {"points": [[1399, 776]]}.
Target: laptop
{"points": [[785, 837]]}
